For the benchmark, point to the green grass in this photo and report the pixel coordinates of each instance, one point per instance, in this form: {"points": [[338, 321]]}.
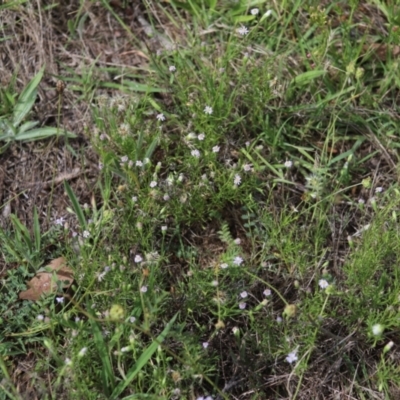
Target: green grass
{"points": [[247, 226]]}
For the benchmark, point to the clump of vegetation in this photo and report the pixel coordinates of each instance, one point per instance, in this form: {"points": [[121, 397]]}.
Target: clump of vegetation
{"points": [[242, 243]]}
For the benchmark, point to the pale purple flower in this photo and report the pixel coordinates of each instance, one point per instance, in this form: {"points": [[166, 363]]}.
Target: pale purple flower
{"points": [[208, 110], [205, 345], [247, 167], [134, 199], [86, 234], [242, 30], [132, 320], [323, 283], [124, 159], [243, 294], [292, 357], [288, 164], [215, 149], [238, 260], [195, 153], [153, 184], [279, 320], [254, 11], [143, 289], [160, 117], [379, 189], [166, 197], [138, 258], [201, 136], [172, 68], [267, 292], [237, 180], [139, 163], [242, 305], [237, 241], [60, 300]]}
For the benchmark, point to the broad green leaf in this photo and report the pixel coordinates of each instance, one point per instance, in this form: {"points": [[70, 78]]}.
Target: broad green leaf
{"points": [[244, 18], [27, 99], [143, 359]]}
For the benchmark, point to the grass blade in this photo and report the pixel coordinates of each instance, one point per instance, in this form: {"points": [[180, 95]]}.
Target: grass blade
{"points": [[107, 373], [75, 205], [143, 359]]}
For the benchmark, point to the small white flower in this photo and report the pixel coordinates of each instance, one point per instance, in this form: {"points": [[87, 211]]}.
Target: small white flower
{"points": [[208, 110], [100, 166], [68, 361], [60, 221], [139, 163], [125, 349], [143, 289], [134, 199], [215, 149], [132, 320], [235, 330], [379, 189], [243, 294], [153, 184], [82, 352], [267, 292], [201, 136], [238, 260], [146, 160], [60, 300], [205, 345], [124, 159], [164, 228], [237, 180], [166, 197], [288, 164], [242, 305], [172, 68], [279, 320], [40, 317], [378, 329], [86, 234], [191, 136], [323, 283], [103, 136], [138, 258], [160, 117], [291, 357], [77, 319], [254, 11], [247, 167], [242, 30], [361, 201], [237, 241], [195, 153], [224, 265], [214, 283]]}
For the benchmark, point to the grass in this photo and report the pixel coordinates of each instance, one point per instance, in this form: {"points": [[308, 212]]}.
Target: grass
{"points": [[243, 240]]}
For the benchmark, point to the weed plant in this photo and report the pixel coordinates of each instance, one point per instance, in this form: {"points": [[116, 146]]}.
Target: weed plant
{"points": [[241, 247]]}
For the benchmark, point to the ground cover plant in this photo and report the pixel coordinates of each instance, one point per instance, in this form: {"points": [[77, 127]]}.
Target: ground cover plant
{"points": [[237, 234]]}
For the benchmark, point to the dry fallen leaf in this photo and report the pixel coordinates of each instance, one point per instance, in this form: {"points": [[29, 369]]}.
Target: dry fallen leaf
{"points": [[45, 280]]}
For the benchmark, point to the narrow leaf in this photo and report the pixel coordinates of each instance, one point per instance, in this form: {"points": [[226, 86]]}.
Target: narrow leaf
{"points": [[42, 133], [75, 205], [27, 99], [143, 359]]}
